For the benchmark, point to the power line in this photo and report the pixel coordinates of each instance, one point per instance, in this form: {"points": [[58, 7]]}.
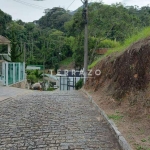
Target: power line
{"points": [[70, 4], [29, 4], [37, 6]]}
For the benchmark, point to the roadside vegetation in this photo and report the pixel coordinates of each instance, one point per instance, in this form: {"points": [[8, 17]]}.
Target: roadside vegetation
{"points": [[125, 85], [122, 47], [59, 34], [57, 39], [79, 84], [66, 61], [131, 40], [34, 76]]}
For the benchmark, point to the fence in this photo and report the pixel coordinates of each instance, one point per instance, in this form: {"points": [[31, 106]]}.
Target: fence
{"points": [[12, 73], [69, 80]]}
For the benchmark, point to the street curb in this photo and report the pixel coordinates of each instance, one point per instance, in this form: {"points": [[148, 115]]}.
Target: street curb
{"points": [[122, 141]]}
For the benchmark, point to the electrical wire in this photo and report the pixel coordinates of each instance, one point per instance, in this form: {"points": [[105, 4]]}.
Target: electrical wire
{"points": [[29, 4], [70, 4], [37, 6]]}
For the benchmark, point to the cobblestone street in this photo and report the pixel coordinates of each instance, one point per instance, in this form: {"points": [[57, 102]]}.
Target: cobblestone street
{"points": [[53, 121]]}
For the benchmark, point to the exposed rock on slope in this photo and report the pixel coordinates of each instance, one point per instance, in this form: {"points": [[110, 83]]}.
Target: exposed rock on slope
{"points": [[123, 90], [124, 73]]}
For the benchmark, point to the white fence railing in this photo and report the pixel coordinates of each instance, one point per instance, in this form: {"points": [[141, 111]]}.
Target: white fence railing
{"points": [[12, 73]]}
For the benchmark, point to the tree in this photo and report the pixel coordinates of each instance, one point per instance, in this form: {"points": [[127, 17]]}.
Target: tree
{"points": [[15, 51], [5, 19], [63, 31], [54, 19]]}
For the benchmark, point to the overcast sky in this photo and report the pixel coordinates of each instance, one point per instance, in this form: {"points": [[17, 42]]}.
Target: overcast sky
{"points": [[30, 10]]}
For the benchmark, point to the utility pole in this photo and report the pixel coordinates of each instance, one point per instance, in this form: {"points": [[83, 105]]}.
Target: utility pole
{"points": [[32, 47], [43, 71], [85, 17], [24, 53], [22, 56]]}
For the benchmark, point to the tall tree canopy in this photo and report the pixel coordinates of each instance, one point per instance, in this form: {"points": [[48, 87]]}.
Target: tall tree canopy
{"points": [[4, 20], [62, 32], [54, 19]]}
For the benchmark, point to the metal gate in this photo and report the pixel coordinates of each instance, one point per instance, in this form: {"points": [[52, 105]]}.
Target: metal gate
{"points": [[1, 75], [68, 82]]}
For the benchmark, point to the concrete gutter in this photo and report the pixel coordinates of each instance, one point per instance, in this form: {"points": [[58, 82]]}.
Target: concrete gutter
{"points": [[122, 141]]}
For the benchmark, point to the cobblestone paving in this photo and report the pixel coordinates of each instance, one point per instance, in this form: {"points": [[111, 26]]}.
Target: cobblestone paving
{"points": [[7, 92], [57, 121]]}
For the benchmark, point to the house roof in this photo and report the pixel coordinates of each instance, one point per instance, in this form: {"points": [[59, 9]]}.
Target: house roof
{"points": [[4, 40], [2, 61]]}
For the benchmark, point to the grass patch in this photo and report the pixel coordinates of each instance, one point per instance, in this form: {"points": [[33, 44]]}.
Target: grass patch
{"points": [[95, 62], [143, 140], [51, 89], [139, 147], [66, 61], [139, 36], [115, 117]]}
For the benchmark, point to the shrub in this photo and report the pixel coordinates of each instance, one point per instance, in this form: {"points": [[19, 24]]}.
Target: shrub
{"points": [[32, 78], [108, 44], [79, 84], [129, 41], [51, 89]]}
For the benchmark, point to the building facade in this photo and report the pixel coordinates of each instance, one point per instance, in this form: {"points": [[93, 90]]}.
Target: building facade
{"points": [[10, 72]]}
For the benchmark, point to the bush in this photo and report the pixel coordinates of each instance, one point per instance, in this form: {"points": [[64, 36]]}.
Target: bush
{"points": [[108, 44], [32, 78], [51, 89], [95, 62], [129, 41], [56, 67], [79, 84]]}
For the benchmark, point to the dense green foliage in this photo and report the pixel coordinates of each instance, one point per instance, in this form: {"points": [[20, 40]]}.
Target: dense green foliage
{"points": [[5, 19], [51, 89], [15, 51], [58, 34], [54, 19], [34, 75], [120, 48], [79, 84], [134, 38], [66, 61], [3, 49]]}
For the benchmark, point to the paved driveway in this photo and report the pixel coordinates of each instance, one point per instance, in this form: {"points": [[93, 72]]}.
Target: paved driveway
{"points": [[53, 121]]}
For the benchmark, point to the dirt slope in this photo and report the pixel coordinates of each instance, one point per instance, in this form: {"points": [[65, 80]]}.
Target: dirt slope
{"points": [[124, 87]]}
